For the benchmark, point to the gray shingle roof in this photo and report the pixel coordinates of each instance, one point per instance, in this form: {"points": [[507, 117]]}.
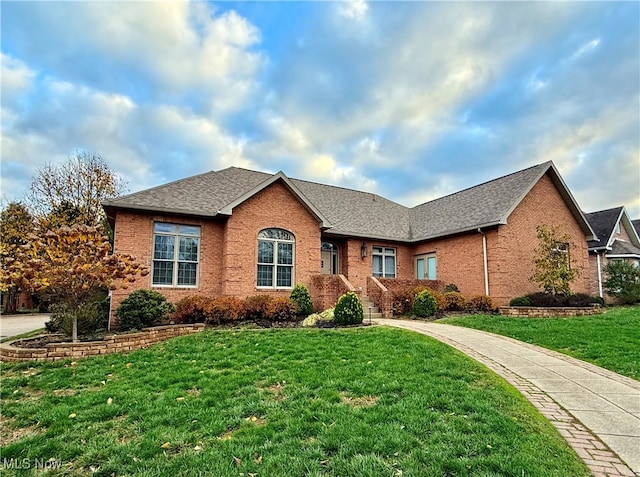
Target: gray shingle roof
{"points": [[603, 222], [623, 248], [484, 205], [350, 212], [636, 225]]}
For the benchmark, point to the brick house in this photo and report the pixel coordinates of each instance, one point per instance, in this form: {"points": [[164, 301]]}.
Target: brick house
{"points": [[617, 240], [241, 232]]}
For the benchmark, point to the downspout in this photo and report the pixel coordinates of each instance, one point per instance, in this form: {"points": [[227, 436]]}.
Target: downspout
{"points": [[599, 274], [485, 262]]}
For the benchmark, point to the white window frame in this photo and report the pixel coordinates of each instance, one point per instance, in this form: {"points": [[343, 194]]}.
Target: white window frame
{"points": [[162, 229], [276, 236], [383, 253]]}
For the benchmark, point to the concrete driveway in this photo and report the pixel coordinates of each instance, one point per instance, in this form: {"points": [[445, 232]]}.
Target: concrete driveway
{"points": [[12, 325]]}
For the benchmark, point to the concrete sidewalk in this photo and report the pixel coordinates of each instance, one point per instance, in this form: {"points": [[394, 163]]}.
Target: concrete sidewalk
{"points": [[596, 410]]}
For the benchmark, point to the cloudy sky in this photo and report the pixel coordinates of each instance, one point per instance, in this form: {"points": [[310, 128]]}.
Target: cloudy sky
{"points": [[409, 100]]}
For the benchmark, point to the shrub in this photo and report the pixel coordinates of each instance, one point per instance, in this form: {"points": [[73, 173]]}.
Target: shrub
{"points": [[481, 303], [282, 309], [424, 304], [451, 287], [402, 301], [580, 299], [193, 309], [520, 301], [300, 295], [226, 309], [310, 321], [91, 318], [623, 281], [348, 310], [141, 309], [257, 307], [454, 301], [546, 299]]}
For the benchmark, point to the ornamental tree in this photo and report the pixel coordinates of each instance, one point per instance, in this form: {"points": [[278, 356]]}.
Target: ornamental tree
{"points": [[552, 260], [68, 266]]}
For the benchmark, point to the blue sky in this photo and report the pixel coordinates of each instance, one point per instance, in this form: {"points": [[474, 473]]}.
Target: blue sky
{"points": [[410, 100]]}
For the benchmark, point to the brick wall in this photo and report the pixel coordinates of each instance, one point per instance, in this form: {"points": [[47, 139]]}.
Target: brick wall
{"points": [[134, 235], [511, 252], [326, 289], [459, 260], [111, 344], [273, 207]]}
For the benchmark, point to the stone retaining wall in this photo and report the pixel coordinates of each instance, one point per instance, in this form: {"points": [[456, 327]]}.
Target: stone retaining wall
{"points": [[548, 312], [110, 344]]}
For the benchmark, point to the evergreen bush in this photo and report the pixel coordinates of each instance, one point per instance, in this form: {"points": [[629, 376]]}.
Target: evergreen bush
{"points": [[300, 295], [141, 309], [348, 310], [520, 301], [424, 304]]}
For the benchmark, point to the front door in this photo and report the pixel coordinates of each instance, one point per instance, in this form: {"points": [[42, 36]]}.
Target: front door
{"points": [[328, 259]]}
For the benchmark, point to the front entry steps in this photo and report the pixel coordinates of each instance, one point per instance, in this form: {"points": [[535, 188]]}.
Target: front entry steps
{"points": [[368, 306]]}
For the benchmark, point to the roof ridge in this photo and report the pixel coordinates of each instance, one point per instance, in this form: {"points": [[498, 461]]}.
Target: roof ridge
{"points": [[350, 190], [547, 163]]}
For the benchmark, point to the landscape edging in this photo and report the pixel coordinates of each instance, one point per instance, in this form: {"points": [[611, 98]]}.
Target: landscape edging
{"points": [[549, 312], [110, 344]]}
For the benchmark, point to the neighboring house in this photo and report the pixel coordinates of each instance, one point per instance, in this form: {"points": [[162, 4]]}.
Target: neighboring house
{"points": [[636, 225], [241, 232], [617, 240]]}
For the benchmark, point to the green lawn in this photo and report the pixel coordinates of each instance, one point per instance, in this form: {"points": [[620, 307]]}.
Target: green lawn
{"points": [[343, 402], [610, 340]]}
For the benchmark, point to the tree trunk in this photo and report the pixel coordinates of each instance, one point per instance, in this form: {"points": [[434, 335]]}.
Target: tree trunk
{"points": [[74, 332]]}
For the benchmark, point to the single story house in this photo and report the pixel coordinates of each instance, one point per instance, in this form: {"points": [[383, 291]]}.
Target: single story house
{"points": [[241, 232], [617, 239]]}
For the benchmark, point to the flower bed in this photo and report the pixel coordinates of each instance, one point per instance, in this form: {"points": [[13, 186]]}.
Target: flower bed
{"points": [[11, 351]]}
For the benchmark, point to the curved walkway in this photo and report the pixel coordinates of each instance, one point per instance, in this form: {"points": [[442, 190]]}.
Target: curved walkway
{"points": [[595, 410]]}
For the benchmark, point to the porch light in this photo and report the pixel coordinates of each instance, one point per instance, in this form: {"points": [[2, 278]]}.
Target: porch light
{"points": [[363, 249]]}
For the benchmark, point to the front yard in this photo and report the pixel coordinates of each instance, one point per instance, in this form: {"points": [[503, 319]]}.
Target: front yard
{"points": [[349, 402], [610, 340]]}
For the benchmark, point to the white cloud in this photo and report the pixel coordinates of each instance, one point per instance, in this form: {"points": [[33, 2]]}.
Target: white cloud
{"points": [[353, 9], [168, 49]]}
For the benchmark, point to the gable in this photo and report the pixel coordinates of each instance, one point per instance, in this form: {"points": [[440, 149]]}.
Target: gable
{"points": [[606, 224]]}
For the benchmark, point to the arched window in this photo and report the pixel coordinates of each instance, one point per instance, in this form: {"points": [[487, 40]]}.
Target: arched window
{"points": [[275, 258]]}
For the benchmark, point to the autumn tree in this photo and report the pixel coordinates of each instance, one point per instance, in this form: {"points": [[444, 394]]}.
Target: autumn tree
{"points": [[72, 192], [552, 260], [16, 224], [69, 266]]}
